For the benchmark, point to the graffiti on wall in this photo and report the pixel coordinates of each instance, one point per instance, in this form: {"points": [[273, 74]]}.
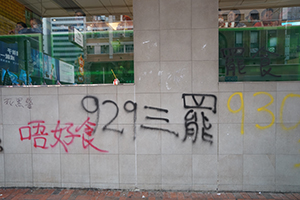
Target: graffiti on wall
{"points": [[19, 102], [65, 134], [158, 118], [190, 119], [130, 106], [134, 108], [197, 101], [263, 109], [197, 105]]}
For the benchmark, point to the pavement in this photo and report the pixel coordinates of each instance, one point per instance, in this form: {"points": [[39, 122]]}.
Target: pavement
{"points": [[93, 194]]}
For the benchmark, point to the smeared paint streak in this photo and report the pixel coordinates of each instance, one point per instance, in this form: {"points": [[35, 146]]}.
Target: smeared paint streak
{"points": [[297, 165], [146, 42], [167, 86], [176, 78], [1, 148], [144, 74]]}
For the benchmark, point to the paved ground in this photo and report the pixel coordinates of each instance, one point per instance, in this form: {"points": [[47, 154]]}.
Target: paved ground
{"points": [[93, 194]]}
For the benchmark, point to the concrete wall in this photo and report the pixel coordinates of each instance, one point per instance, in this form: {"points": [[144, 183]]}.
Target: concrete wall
{"points": [[237, 147]]}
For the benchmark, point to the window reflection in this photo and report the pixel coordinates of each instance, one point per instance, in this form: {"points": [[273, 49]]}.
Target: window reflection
{"points": [[254, 18], [78, 49], [259, 44]]}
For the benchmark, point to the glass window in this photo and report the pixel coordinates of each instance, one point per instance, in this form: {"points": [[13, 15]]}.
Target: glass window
{"points": [[54, 43], [259, 44]]}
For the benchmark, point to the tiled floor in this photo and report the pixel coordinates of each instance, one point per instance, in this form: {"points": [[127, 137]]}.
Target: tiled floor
{"points": [[92, 194]]}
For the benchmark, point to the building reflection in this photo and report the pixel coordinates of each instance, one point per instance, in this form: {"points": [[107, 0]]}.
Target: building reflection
{"points": [[72, 50]]}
